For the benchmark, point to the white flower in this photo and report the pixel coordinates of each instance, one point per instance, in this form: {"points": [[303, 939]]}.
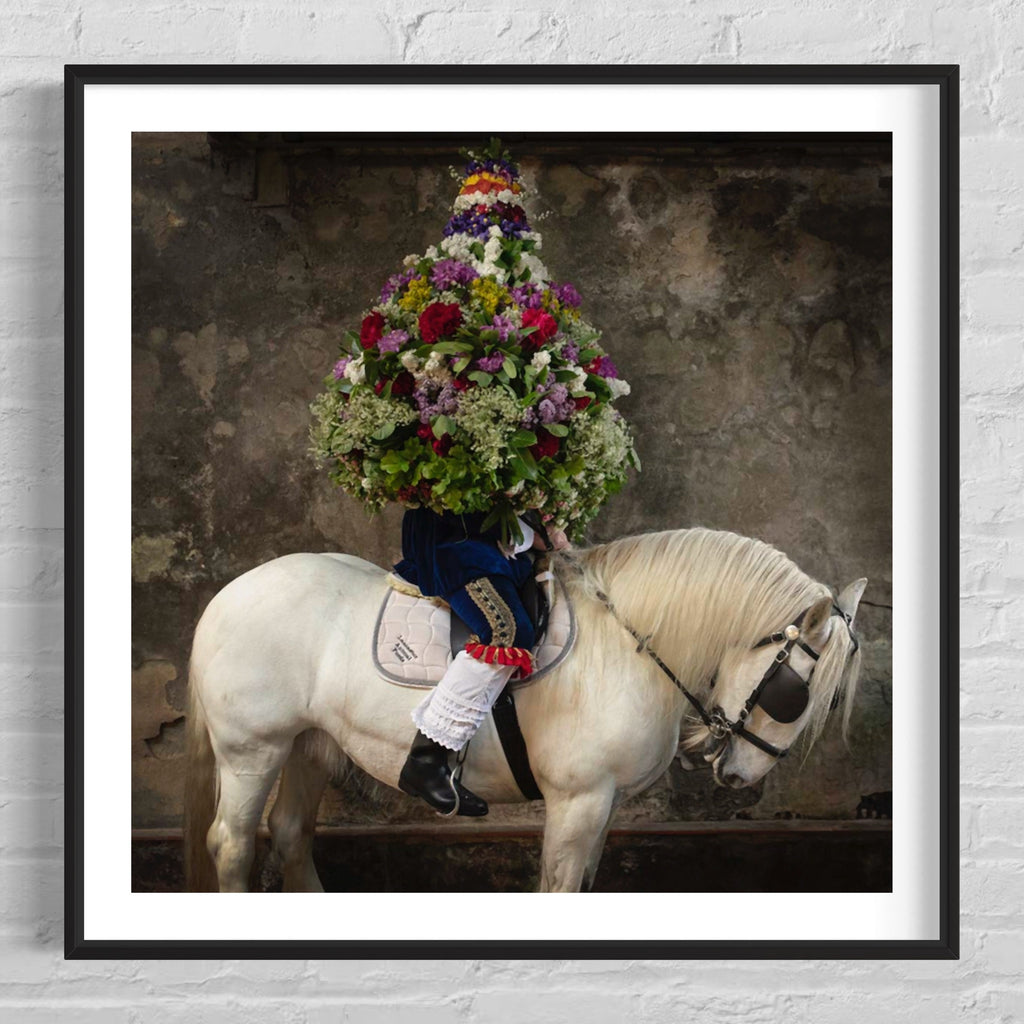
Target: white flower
{"points": [[411, 260], [410, 361], [434, 361], [618, 388], [356, 370], [492, 249], [366, 483], [540, 360], [579, 382], [538, 272]]}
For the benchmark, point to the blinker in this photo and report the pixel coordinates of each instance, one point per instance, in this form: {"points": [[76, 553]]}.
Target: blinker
{"points": [[784, 695]]}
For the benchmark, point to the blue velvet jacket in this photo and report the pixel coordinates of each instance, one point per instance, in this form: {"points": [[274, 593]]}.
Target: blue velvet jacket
{"points": [[442, 553]]}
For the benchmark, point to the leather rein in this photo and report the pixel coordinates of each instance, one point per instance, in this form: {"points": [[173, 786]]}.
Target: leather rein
{"points": [[718, 724]]}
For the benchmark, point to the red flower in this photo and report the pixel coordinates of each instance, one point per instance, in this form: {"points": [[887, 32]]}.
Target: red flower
{"points": [[546, 326], [546, 446], [461, 384], [442, 445], [403, 384], [372, 329], [424, 432], [581, 403], [439, 320]]}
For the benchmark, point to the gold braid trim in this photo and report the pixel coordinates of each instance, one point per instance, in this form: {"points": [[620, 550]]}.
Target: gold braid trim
{"points": [[498, 614], [411, 590]]}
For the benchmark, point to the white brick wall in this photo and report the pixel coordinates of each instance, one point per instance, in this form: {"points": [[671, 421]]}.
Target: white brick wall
{"points": [[36, 985]]}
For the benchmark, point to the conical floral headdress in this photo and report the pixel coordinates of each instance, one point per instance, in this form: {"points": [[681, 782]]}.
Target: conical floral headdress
{"points": [[474, 384]]}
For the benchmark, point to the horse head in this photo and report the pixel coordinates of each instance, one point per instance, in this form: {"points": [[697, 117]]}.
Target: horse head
{"points": [[766, 696]]}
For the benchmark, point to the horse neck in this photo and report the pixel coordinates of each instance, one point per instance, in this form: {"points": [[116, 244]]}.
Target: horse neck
{"points": [[695, 593]]}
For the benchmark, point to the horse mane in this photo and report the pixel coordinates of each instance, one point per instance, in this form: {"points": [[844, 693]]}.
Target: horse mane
{"points": [[703, 596]]}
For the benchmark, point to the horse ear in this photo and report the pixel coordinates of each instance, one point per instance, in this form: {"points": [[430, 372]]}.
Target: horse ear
{"points": [[849, 599], [817, 624]]}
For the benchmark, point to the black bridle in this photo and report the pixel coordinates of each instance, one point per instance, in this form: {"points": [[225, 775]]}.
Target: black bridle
{"points": [[782, 693]]}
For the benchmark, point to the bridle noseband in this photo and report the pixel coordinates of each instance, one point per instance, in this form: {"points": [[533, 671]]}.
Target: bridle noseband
{"points": [[718, 724]]}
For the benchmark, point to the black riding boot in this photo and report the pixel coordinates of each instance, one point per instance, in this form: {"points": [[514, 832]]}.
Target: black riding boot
{"points": [[426, 774]]}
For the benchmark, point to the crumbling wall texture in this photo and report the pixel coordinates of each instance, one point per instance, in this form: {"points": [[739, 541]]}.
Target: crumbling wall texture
{"points": [[744, 291]]}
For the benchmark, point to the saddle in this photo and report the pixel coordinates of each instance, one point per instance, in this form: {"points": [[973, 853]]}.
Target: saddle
{"points": [[416, 637]]}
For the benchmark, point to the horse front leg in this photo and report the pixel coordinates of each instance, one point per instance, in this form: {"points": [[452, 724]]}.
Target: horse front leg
{"points": [[574, 831]]}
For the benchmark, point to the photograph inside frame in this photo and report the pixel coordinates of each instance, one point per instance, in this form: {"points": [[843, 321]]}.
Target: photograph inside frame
{"points": [[622, 404]]}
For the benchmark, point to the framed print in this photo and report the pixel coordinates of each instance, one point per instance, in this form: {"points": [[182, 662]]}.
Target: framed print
{"points": [[510, 482]]}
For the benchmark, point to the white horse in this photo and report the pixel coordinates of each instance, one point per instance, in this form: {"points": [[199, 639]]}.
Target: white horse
{"points": [[283, 684]]}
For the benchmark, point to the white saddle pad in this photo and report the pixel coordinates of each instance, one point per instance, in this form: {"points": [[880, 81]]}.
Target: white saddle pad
{"points": [[412, 639]]}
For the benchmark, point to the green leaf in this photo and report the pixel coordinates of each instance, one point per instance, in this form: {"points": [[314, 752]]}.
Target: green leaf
{"points": [[461, 365], [482, 378], [588, 355], [509, 367], [451, 348], [372, 371], [491, 519], [523, 468], [352, 340], [477, 250], [384, 432], [442, 425], [523, 439], [531, 463], [558, 429]]}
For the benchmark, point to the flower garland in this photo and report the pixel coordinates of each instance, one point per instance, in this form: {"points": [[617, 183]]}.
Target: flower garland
{"points": [[474, 384]]}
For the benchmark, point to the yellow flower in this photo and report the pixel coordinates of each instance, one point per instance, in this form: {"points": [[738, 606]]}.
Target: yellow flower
{"points": [[489, 294], [417, 296]]}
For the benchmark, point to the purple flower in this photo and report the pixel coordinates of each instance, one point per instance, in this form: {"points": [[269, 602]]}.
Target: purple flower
{"points": [[394, 283], [491, 363], [392, 341], [556, 405], [526, 296], [504, 326], [567, 295], [339, 367], [603, 367], [571, 352], [434, 399], [451, 272], [468, 223]]}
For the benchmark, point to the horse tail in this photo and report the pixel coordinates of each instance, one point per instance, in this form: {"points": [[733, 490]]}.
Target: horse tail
{"points": [[200, 797]]}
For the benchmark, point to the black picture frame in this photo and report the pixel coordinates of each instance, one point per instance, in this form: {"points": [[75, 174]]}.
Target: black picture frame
{"points": [[944, 77]]}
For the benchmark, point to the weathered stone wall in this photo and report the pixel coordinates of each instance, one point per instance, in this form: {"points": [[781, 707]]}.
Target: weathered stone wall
{"points": [[744, 291]]}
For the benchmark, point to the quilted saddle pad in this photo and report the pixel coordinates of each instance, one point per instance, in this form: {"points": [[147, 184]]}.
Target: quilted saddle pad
{"points": [[412, 639]]}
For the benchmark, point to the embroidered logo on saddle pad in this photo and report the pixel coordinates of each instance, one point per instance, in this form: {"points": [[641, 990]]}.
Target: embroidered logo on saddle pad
{"points": [[412, 638]]}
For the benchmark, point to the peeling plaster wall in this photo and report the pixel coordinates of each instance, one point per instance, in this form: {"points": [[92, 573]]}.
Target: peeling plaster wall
{"points": [[744, 291]]}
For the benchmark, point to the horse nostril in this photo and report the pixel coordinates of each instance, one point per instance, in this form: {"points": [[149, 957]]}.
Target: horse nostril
{"points": [[733, 780]]}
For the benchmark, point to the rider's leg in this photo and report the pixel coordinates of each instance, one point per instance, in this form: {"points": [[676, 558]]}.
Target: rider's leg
{"points": [[452, 712]]}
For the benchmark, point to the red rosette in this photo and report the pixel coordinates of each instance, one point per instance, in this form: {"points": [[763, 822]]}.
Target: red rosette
{"points": [[372, 330], [546, 446], [439, 320], [547, 328]]}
